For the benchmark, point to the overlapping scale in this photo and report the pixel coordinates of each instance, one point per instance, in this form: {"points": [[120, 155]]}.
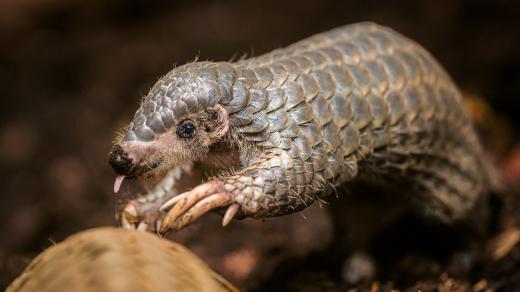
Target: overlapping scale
{"points": [[320, 106]]}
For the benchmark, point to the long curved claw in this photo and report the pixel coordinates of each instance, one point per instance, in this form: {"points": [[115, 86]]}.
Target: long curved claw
{"points": [[187, 199], [187, 207], [197, 210], [172, 201], [230, 213]]}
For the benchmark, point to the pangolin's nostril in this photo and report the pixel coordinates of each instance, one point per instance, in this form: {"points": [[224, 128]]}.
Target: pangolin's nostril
{"points": [[120, 160]]}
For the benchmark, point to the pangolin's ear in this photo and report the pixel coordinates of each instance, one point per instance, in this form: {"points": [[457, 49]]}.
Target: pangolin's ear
{"points": [[218, 121]]}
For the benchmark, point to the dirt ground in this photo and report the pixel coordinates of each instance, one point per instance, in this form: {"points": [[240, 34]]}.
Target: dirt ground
{"points": [[72, 73]]}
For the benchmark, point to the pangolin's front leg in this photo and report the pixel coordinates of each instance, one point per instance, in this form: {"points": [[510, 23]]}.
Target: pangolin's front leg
{"points": [[265, 189]]}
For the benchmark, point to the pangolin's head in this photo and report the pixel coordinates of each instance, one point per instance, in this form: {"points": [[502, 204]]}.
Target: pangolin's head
{"points": [[177, 122]]}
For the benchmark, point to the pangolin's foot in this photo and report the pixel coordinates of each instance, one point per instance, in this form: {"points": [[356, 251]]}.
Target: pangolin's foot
{"points": [[187, 207], [144, 216]]}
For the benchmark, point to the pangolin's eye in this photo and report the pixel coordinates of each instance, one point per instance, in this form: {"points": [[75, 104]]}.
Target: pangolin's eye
{"points": [[186, 130]]}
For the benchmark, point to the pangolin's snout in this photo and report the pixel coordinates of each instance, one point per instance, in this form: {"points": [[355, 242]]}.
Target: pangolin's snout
{"points": [[120, 161]]}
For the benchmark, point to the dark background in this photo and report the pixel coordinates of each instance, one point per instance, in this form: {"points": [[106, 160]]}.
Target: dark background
{"points": [[72, 73]]}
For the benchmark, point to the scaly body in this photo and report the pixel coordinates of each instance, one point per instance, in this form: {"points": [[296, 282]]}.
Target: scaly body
{"points": [[282, 130]]}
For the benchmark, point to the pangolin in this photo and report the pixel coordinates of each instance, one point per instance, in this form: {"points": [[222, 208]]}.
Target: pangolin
{"points": [[272, 134]]}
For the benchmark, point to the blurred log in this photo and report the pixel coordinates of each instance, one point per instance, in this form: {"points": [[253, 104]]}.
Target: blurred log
{"points": [[113, 259]]}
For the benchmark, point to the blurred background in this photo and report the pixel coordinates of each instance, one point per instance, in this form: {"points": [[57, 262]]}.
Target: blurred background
{"points": [[73, 72]]}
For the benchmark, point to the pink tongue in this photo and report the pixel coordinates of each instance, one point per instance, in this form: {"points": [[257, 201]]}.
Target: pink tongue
{"points": [[118, 182]]}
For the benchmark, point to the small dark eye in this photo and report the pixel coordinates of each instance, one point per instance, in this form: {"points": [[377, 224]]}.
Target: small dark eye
{"points": [[186, 130]]}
